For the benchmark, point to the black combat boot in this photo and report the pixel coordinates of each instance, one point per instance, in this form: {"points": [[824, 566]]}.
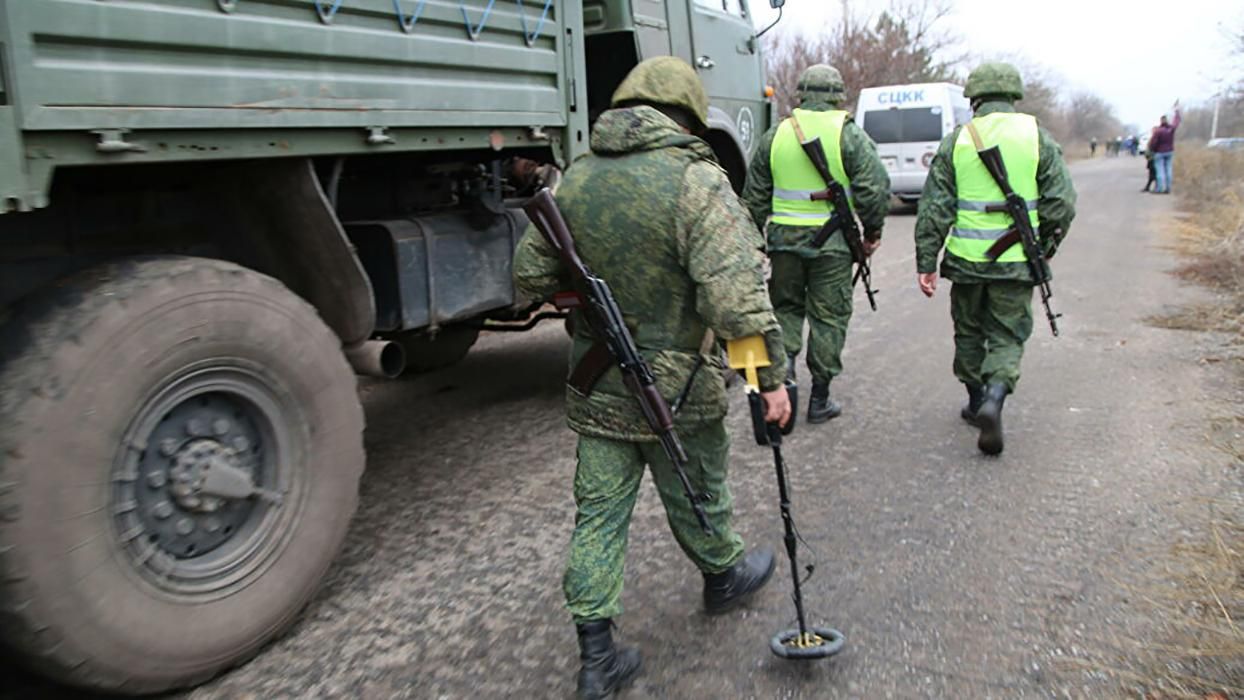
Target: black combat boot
{"points": [[820, 407], [606, 668], [976, 396], [731, 588], [989, 419]]}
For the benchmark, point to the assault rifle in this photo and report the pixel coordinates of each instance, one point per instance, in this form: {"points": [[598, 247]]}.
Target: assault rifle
{"points": [[843, 218], [1022, 233], [595, 300]]}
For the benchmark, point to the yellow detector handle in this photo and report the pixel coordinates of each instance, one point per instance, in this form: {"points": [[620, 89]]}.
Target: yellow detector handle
{"points": [[748, 354]]}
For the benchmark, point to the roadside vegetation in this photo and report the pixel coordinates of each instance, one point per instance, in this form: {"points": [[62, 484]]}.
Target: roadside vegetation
{"points": [[1210, 237], [1199, 600], [908, 42]]}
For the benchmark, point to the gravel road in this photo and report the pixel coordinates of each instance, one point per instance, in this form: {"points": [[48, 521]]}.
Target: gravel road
{"points": [[952, 575]]}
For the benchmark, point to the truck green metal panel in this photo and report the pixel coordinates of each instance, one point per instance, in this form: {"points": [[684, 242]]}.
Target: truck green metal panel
{"points": [[215, 213], [195, 80]]}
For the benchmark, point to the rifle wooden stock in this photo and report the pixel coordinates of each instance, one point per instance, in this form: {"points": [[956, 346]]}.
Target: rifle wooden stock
{"points": [[1002, 245]]}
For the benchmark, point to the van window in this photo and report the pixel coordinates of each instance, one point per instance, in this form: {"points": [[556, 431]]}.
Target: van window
{"points": [[904, 125]]}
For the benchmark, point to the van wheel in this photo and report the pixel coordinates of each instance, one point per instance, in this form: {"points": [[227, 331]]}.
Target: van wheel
{"points": [[180, 451]]}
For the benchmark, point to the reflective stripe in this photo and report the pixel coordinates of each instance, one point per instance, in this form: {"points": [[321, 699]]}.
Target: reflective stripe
{"points": [[977, 234], [801, 195], [801, 215], [795, 194], [795, 180], [967, 205]]}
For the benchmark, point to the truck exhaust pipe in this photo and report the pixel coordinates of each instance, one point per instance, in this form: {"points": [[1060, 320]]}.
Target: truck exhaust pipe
{"points": [[377, 358]]}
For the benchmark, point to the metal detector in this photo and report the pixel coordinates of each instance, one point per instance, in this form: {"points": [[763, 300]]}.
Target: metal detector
{"points": [[804, 642]]}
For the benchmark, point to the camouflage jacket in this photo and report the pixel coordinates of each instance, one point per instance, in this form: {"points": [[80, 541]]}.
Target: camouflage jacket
{"points": [[939, 208], [870, 189], [654, 215]]}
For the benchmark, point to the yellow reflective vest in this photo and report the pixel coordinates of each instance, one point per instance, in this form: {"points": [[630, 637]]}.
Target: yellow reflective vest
{"points": [[976, 227], [795, 179]]}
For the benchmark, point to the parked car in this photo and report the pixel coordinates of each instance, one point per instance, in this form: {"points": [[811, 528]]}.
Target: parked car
{"points": [[1230, 144]]}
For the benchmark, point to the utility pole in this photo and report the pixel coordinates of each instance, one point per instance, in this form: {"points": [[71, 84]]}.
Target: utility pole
{"points": [[1213, 127]]}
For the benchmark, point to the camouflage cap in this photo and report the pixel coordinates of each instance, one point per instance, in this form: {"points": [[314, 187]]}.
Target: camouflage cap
{"points": [[666, 80], [995, 79], [821, 77]]}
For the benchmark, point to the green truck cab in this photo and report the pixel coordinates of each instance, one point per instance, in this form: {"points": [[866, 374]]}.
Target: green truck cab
{"points": [[213, 215]]}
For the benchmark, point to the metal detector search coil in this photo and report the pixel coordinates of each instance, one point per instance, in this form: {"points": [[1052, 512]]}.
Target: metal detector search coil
{"points": [[816, 643]]}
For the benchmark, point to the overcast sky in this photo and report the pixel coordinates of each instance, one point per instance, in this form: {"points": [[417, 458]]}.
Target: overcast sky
{"points": [[1139, 56]]}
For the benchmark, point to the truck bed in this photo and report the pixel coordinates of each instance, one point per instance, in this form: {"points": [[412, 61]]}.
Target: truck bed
{"points": [[210, 64]]}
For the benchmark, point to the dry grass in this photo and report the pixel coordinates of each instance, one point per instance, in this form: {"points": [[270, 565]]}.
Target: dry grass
{"points": [[1199, 650], [1210, 188]]}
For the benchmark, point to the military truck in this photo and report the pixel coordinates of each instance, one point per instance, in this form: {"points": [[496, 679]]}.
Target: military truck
{"points": [[215, 214]]}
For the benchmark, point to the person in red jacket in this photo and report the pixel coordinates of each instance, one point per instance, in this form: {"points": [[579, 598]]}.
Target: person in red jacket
{"points": [[1162, 145]]}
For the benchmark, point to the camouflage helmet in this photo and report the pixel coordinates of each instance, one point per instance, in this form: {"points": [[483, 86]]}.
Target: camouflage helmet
{"points": [[822, 78], [666, 80], [994, 79]]}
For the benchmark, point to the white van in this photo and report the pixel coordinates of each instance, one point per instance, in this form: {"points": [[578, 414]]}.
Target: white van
{"points": [[907, 122]]}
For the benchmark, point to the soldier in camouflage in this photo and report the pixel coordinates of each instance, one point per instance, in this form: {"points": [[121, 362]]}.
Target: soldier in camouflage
{"points": [[990, 300], [808, 282], [653, 214]]}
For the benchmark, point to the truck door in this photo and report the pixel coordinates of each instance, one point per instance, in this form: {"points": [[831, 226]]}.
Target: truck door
{"points": [[724, 54], [652, 28], [721, 35]]}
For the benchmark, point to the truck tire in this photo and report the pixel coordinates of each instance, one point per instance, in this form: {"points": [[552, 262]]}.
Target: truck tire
{"points": [[425, 352], [123, 566]]}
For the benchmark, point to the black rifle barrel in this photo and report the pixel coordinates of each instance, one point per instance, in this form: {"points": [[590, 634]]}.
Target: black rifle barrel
{"points": [[1017, 208], [605, 319], [843, 219]]}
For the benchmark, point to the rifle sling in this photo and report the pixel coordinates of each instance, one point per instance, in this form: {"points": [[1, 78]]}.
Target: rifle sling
{"points": [[976, 137], [798, 129], [592, 366]]}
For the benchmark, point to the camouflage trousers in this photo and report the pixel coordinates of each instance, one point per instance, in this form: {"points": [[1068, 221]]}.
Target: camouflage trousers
{"points": [[606, 484], [992, 320], [818, 289]]}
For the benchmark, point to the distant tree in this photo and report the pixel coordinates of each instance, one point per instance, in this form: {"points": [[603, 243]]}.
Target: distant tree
{"points": [[1088, 115], [903, 44]]}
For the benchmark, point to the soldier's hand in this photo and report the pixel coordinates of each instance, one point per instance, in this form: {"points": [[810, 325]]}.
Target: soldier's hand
{"points": [[777, 406], [928, 282], [871, 247]]}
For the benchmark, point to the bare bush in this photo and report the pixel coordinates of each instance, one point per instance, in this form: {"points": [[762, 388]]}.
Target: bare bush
{"points": [[1089, 116], [903, 44]]}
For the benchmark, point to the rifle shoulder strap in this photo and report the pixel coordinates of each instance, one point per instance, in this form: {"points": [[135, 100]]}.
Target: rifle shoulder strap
{"points": [[794, 121], [976, 136]]}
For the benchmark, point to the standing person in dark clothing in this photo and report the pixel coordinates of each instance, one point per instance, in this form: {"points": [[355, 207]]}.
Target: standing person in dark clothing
{"points": [[1162, 145], [1153, 172], [1093, 147]]}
